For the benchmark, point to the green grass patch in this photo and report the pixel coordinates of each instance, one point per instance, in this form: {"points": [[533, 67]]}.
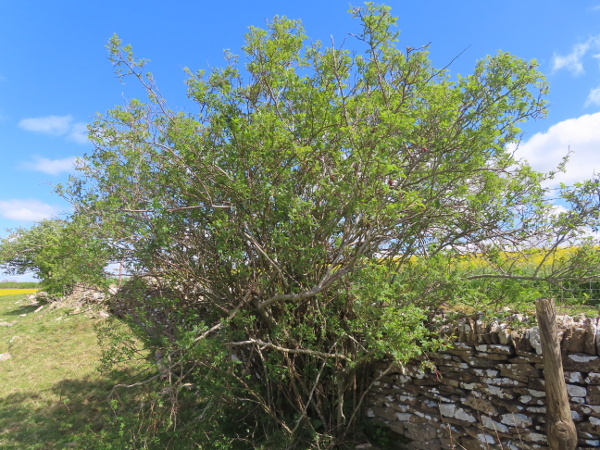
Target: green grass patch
{"points": [[19, 285], [51, 393]]}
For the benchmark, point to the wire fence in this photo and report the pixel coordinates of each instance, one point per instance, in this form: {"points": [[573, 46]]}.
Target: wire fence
{"points": [[573, 293]]}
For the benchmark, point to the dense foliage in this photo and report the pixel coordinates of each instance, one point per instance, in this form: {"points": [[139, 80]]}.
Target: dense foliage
{"points": [[60, 253], [306, 217]]}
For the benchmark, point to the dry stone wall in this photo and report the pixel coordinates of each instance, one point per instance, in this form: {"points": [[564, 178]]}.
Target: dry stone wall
{"points": [[487, 390]]}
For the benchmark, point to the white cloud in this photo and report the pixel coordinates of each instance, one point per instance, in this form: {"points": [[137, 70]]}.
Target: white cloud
{"points": [[54, 125], [544, 151], [593, 97], [57, 126], [29, 210], [51, 166], [78, 133], [573, 62]]}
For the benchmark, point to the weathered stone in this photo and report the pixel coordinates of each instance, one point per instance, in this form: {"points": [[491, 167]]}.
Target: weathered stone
{"points": [[499, 392], [516, 420], [598, 338], [485, 372], [582, 363], [588, 427], [521, 372], [504, 336], [385, 413], [573, 377], [483, 334], [459, 348], [593, 399], [576, 391], [591, 328], [493, 425], [494, 328], [537, 384], [452, 411], [503, 382], [587, 409], [573, 340], [425, 445], [469, 443], [593, 378], [5, 356], [533, 339], [483, 362], [481, 404], [519, 341], [421, 431], [495, 349], [492, 356]]}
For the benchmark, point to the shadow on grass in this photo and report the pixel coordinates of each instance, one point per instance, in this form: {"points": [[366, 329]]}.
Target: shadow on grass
{"points": [[25, 309], [73, 409]]}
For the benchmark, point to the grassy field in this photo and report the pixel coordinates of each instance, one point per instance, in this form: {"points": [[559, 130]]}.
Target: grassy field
{"points": [[50, 390]]}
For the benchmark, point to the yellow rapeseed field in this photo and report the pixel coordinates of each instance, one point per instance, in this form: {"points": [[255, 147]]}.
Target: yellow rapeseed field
{"points": [[17, 291]]}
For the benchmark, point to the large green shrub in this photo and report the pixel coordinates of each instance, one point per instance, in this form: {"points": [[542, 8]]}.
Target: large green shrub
{"points": [[298, 223]]}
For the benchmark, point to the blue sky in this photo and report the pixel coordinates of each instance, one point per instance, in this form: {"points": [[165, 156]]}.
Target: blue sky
{"points": [[55, 75]]}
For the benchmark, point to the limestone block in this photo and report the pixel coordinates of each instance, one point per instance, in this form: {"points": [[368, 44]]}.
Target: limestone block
{"points": [[573, 340], [495, 348], [499, 392], [591, 330], [534, 340], [483, 405], [494, 330], [459, 348], [576, 391], [421, 431], [521, 372], [516, 420], [573, 377], [581, 362], [503, 381], [451, 410], [493, 425], [593, 378]]}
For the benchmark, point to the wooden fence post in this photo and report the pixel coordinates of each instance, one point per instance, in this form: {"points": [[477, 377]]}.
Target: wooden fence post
{"points": [[560, 428]]}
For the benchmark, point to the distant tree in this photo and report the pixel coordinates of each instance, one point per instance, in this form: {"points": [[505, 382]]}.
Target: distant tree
{"points": [[60, 253], [299, 223]]}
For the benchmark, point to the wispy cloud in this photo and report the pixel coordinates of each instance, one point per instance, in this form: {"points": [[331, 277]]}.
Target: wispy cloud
{"points": [[78, 133], [544, 151], [26, 210], [593, 97], [573, 62], [50, 166], [57, 126]]}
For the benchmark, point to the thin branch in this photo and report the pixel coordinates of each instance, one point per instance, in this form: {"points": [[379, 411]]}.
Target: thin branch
{"points": [[303, 351], [181, 208]]}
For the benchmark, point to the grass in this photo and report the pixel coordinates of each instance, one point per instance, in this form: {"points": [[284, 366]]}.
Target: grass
{"points": [[50, 390], [19, 285]]}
